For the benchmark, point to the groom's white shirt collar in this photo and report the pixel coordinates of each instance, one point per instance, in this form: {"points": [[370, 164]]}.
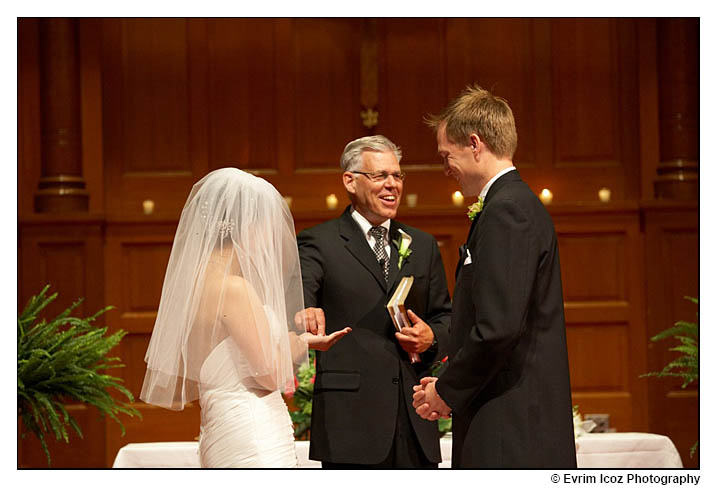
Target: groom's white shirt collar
{"points": [[365, 225], [498, 175]]}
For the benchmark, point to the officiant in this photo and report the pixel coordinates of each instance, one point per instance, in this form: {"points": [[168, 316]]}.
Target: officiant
{"points": [[362, 414]]}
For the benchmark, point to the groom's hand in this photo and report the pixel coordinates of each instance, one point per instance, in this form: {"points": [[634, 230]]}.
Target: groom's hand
{"points": [[417, 338], [313, 319], [427, 402]]}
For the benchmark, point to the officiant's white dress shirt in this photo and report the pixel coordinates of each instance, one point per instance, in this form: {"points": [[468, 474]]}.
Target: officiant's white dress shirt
{"points": [[366, 225]]}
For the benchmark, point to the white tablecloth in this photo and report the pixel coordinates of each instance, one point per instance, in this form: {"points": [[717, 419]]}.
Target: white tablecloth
{"points": [[186, 455], [619, 450], [626, 450]]}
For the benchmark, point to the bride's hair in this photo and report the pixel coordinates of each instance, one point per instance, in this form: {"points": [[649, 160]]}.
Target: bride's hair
{"points": [[242, 216]]}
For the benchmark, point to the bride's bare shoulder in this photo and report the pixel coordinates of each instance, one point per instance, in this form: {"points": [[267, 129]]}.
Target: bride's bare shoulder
{"points": [[239, 297], [238, 288]]}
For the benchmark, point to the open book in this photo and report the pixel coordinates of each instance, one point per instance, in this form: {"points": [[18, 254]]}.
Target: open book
{"points": [[397, 310]]}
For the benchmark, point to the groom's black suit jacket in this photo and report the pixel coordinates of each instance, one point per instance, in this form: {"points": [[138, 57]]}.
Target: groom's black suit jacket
{"points": [[507, 381], [358, 382]]}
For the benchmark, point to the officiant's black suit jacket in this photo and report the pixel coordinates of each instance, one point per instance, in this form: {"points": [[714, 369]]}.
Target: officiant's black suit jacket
{"points": [[508, 381], [356, 391]]}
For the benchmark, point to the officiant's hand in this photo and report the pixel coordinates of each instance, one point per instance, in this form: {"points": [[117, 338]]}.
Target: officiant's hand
{"points": [[417, 338], [313, 320], [427, 402], [324, 342]]}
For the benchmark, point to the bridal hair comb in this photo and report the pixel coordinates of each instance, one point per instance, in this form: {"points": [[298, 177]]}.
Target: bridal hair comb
{"points": [[224, 227]]}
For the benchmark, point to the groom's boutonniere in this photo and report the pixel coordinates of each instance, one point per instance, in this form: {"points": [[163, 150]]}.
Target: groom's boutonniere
{"points": [[402, 246], [475, 208]]}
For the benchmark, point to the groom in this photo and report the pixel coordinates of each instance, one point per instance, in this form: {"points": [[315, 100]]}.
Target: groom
{"points": [[507, 382], [361, 413]]}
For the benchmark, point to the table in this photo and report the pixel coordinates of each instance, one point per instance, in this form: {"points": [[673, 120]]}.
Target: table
{"points": [[186, 455], [626, 450], [616, 450]]}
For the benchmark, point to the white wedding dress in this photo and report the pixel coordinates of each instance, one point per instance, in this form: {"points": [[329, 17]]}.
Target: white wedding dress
{"points": [[227, 327], [242, 427]]}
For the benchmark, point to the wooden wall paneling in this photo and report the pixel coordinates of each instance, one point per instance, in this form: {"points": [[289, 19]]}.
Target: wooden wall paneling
{"points": [[599, 364], [412, 84], [67, 255], [90, 45], [155, 95], [153, 125], [307, 187], [242, 88], [648, 106], [285, 107], [672, 272], [415, 64], [595, 108], [198, 103], [516, 66], [593, 344], [586, 92], [136, 259], [317, 109], [506, 66], [542, 174], [630, 110], [585, 101], [28, 114], [86, 452], [326, 84], [601, 267]]}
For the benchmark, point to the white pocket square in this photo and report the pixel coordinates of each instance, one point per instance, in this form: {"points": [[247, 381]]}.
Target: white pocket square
{"points": [[468, 258]]}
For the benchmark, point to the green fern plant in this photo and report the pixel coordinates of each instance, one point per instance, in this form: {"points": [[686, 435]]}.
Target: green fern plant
{"points": [[684, 366], [64, 360]]}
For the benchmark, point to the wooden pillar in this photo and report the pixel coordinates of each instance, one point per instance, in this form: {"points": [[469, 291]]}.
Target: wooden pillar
{"points": [[61, 187], [677, 172]]}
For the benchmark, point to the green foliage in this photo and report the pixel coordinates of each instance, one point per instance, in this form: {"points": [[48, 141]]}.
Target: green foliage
{"points": [[444, 426], [63, 360], [302, 417], [684, 366]]}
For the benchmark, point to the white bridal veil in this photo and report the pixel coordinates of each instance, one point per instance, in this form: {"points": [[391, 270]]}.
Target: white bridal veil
{"points": [[233, 273]]}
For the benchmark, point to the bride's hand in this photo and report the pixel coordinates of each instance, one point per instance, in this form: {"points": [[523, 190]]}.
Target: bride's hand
{"points": [[324, 342]]}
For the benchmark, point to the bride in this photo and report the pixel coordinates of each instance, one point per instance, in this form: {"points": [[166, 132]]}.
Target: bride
{"points": [[229, 331]]}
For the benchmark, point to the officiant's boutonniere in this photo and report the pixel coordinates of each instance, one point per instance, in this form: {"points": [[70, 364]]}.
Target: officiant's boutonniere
{"points": [[475, 208], [403, 246]]}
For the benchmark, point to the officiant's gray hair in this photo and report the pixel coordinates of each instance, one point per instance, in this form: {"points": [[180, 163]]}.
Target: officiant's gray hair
{"points": [[351, 157]]}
